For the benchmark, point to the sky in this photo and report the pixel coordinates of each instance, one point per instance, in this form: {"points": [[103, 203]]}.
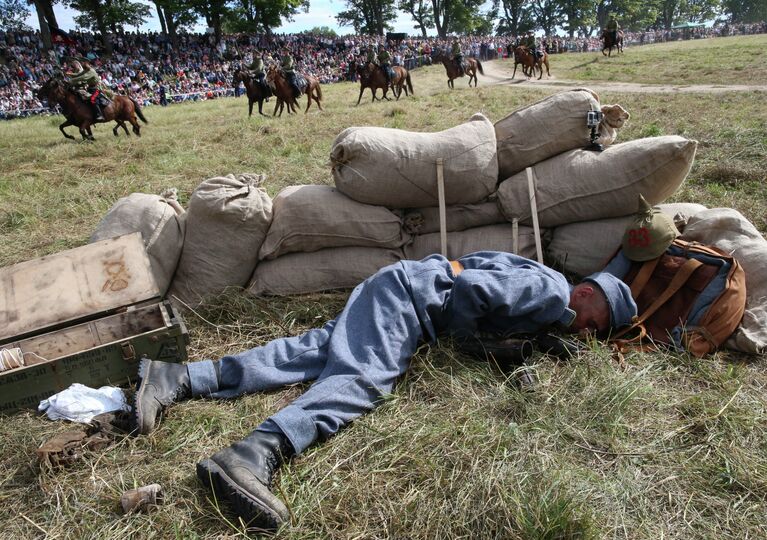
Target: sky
{"points": [[321, 13]]}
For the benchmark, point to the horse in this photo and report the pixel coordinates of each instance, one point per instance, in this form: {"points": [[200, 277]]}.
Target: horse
{"points": [[254, 90], [472, 66], [284, 91], [373, 77], [523, 55], [77, 113], [608, 43]]}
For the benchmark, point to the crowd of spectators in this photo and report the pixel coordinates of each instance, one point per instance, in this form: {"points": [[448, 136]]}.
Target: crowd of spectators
{"points": [[153, 70]]}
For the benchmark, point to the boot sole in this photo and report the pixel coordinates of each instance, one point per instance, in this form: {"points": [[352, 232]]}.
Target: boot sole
{"points": [[143, 373], [254, 512]]}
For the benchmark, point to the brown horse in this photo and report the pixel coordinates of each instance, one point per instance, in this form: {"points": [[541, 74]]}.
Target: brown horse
{"points": [[523, 55], [453, 72], [608, 43], [373, 77], [254, 90], [284, 92], [122, 109]]}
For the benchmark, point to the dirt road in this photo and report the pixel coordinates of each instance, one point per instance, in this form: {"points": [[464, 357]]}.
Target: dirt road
{"points": [[498, 74]]}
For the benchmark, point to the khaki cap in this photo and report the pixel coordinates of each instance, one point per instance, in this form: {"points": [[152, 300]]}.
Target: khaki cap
{"points": [[649, 234]]}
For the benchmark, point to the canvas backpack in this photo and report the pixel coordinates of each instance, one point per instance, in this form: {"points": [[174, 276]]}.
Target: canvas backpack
{"points": [[691, 298]]}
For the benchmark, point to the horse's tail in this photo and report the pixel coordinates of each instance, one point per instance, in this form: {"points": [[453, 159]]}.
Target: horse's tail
{"points": [[409, 84], [479, 66], [138, 110]]}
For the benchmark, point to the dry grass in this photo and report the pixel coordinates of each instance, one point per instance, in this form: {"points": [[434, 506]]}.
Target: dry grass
{"points": [[659, 447]]}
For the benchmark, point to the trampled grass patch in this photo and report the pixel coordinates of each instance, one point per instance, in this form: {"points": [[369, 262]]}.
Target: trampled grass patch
{"points": [[657, 446]]}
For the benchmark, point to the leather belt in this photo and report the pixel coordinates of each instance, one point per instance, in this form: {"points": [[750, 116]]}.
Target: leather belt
{"points": [[457, 268]]}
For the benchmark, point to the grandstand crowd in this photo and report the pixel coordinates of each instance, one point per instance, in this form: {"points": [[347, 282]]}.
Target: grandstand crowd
{"points": [[149, 68]]}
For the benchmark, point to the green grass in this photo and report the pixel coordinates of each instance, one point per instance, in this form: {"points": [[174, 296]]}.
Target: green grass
{"points": [[657, 446]]}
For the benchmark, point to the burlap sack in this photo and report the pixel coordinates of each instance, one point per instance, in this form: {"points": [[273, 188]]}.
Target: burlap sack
{"points": [[397, 169], [227, 220], [728, 230], [585, 247], [544, 129], [160, 224], [458, 217], [308, 218], [488, 238], [581, 185], [326, 269]]}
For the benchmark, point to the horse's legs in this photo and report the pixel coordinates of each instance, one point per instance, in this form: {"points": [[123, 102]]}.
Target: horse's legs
{"points": [[250, 107], [135, 124], [316, 96], [114, 129], [308, 99], [515, 70], [63, 125], [276, 104], [362, 89], [261, 107]]}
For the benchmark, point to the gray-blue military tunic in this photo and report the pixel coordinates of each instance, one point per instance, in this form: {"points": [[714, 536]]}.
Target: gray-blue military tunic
{"points": [[356, 359]]}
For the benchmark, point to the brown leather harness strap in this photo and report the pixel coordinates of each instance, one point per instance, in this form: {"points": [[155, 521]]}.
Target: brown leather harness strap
{"points": [[643, 276], [681, 277], [457, 268]]}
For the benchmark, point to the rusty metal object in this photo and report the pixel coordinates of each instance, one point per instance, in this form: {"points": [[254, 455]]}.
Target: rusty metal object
{"points": [[142, 499]]}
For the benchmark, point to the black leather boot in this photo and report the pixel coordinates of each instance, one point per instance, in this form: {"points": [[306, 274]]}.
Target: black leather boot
{"points": [[160, 384], [242, 475]]}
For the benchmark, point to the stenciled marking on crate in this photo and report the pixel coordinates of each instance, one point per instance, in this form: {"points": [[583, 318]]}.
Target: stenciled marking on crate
{"points": [[117, 273]]}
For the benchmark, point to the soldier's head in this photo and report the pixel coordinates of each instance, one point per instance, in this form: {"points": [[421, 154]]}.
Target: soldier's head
{"points": [[256, 55], [74, 64], [601, 302]]}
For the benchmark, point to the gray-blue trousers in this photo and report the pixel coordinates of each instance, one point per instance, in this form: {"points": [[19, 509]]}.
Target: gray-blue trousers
{"points": [[354, 361]]}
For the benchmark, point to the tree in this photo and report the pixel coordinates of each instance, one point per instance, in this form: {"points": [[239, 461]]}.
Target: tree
{"points": [[323, 31], [368, 16], [174, 15], [547, 14], [576, 14], [516, 19], [457, 16], [745, 11], [13, 15], [421, 13], [213, 11], [113, 15], [261, 15]]}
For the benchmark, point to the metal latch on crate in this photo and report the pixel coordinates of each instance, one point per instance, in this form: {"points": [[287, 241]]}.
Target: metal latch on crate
{"points": [[129, 353]]}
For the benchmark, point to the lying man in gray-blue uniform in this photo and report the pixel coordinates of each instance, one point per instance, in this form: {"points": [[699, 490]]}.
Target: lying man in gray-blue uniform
{"points": [[356, 359]]}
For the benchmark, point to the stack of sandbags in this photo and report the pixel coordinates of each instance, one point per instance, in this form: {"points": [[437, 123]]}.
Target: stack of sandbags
{"points": [[469, 227], [544, 129], [159, 219], [321, 239], [585, 247], [398, 169], [226, 223], [582, 185], [729, 231]]}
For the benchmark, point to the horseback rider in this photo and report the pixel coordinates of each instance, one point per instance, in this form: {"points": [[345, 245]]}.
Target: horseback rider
{"points": [[85, 82], [257, 71], [289, 71], [458, 55], [531, 44], [372, 58], [384, 61], [612, 28]]}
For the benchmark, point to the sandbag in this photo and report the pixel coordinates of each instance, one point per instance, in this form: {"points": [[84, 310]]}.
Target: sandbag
{"points": [[544, 129], [326, 269], [490, 237], [581, 185], [226, 222], [729, 231], [161, 224], [308, 218], [397, 169], [458, 217], [585, 247]]}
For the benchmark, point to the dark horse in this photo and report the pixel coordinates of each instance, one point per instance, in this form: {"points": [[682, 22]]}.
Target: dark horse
{"points": [[608, 43], [373, 77], [122, 109], [523, 55], [254, 90], [284, 91], [453, 72]]}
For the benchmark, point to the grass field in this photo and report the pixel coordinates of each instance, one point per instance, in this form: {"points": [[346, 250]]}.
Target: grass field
{"points": [[659, 447]]}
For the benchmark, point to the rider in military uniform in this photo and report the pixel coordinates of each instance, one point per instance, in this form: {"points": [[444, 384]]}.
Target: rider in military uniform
{"points": [[85, 81], [612, 28], [384, 60], [372, 58], [458, 55], [531, 44], [257, 71], [289, 71]]}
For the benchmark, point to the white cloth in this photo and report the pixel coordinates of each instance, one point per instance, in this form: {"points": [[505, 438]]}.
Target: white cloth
{"points": [[80, 403]]}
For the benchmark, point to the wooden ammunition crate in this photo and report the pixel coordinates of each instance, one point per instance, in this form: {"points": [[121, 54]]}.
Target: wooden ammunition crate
{"points": [[86, 315]]}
